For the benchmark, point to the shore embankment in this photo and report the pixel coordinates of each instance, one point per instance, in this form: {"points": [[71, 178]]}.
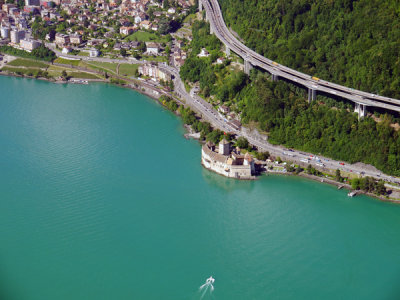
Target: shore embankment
{"points": [[155, 93]]}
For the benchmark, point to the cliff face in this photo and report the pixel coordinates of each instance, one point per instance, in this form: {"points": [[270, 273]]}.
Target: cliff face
{"points": [[354, 43]]}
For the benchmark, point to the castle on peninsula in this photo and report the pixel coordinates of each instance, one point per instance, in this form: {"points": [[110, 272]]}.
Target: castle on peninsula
{"points": [[229, 163]]}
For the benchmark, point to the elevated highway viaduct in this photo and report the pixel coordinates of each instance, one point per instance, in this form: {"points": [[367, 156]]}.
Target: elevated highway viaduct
{"points": [[251, 58]]}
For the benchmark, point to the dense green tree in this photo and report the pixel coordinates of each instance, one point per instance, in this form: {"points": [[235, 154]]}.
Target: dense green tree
{"points": [[355, 43], [242, 142]]}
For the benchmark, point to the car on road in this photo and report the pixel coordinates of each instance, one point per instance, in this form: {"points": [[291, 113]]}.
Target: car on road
{"points": [[341, 163]]}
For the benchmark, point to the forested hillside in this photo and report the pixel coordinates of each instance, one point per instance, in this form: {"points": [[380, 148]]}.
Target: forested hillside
{"points": [[334, 132], [354, 43], [281, 109]]}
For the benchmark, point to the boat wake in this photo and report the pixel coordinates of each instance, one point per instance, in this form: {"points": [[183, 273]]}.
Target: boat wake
{"points": [[207, 287]]}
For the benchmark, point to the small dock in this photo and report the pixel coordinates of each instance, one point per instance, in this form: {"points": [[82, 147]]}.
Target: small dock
{"points": [[352, 193]]}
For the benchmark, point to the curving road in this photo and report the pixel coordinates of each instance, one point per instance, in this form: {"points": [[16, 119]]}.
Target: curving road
{"points": [[211, 115], [218, 27]]}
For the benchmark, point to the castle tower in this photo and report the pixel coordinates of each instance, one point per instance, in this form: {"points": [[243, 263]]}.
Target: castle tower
{"points": [[248, 161], [224, 147]]}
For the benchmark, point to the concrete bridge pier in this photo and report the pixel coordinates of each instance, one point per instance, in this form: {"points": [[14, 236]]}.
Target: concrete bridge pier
{"points": [[274, 77], [227, 51], [200, 5], [211, 28], [360, 109], [247, 67], [312, 95]]}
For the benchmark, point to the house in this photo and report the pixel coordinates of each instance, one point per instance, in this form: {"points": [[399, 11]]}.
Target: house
{"points": [[94, 52], [125, 46], [66, 50], [62, 39], [203, 53], [75, 39], [152, 48], [117, 47], [171, 10], [29, 44], [5, 32], [16, 36], [95, 42], [220, 60], [126, 30], [145, 24], [138, 19], [224, 109], [135, 44], [152, 70], [6, 7]]}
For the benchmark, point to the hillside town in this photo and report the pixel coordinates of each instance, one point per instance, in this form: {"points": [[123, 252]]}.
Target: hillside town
{"points": [[96, 28]]}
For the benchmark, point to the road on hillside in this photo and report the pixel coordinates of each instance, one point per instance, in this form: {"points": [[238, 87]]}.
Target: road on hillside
{"points": [[211, 115]]}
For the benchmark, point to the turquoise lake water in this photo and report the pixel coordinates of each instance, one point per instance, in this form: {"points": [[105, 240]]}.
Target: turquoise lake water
{"points": [[101, 197]]}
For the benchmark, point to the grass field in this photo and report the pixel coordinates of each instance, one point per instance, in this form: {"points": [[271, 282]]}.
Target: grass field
{"points": [[21, 62], [56, 71], [127, 69], [103, 66], [64, 61], [83, 75], [81, 53], [31, 67], [145, 36], [25, 71], [190, 18]]}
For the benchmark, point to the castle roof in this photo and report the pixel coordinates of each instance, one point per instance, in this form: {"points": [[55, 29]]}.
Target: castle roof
{"points": [[214, 155]]}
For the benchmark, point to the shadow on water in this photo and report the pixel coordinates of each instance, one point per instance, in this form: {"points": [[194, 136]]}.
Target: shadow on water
{"points": [[225, 183]]}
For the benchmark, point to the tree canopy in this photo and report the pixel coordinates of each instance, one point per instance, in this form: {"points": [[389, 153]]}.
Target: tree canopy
{"points": [[352, 42]]}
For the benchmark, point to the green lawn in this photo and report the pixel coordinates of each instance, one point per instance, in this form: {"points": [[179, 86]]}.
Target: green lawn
{"points": [[103, 66], [81, 53], [21, 62], [64, 61], [56, 71], [145, 36], [128, 69], [155, 58], [24, 71], [190, 18], [83, 75]]}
